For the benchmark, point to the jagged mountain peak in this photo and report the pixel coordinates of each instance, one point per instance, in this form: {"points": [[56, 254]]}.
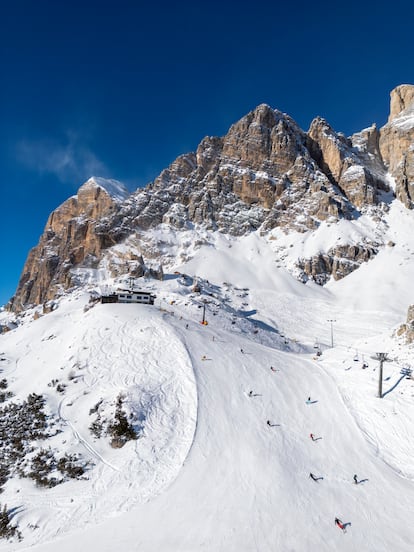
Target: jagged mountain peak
{"points": [[320, 124], [265, 116], [115, 189], [264, 173]]}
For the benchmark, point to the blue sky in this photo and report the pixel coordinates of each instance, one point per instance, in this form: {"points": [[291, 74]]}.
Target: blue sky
{"points": [[121, 88]]}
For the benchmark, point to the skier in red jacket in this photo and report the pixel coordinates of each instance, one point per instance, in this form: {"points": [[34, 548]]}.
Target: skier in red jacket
{"points": [[339, 523]]}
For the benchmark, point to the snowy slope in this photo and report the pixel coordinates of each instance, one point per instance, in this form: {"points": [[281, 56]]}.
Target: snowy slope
{"points": [[207, 472]]}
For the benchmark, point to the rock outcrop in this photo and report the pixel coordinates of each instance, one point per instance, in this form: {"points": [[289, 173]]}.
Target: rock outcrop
{"points": [[407, 330], [70, 238], [264, 173], [402, 98], [338, 262], [397, 143], [346, 166]]}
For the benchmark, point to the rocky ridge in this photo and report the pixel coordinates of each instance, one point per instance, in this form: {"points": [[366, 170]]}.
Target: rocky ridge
{"points": [[265, 173]]}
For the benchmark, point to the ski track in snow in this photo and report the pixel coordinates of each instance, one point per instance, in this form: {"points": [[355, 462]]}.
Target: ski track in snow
{"points": [[127, 359], [208, 473]]}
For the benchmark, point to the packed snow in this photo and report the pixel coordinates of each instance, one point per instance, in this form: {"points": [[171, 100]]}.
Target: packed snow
{"points": [[207, 471]]}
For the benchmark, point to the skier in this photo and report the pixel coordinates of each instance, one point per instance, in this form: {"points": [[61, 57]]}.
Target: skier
{"points": [[339, 523], [241, 350], [250, 393], [268, 423], [309, 400], [355, 479], [313, 477], [312, 436]]}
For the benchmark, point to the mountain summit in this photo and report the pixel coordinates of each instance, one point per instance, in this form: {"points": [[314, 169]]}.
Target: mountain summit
{"points": [[266, 175]]}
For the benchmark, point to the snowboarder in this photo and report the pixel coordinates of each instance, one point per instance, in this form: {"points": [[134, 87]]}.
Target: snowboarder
{"points": [[355, 479], [339, 523], [308, 400]]}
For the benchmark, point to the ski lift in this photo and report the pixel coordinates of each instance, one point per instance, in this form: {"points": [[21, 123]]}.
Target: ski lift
{"points": [[406, 372], [204, 321]]}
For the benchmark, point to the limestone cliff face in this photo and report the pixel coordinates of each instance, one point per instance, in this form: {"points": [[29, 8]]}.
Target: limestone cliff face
{"points": [[402, 98], [69, 239], [264, 173], [338, 262], [346, 166], [397, 143]]}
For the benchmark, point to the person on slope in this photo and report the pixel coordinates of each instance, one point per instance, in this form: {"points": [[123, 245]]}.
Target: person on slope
{"points": [[339, 524], [312, 436], [313, 477], [355, 479]]}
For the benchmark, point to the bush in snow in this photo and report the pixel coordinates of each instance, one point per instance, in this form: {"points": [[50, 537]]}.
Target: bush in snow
{"points": [[45, 463], [4, 395], [21, 425], [96, 427], [41, 467], [68, 465], [7, 530], [60, 388], [120, 429], [4, 474]]}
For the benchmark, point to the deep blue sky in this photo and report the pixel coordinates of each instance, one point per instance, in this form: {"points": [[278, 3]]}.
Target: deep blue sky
{"points": [[121, 88]]}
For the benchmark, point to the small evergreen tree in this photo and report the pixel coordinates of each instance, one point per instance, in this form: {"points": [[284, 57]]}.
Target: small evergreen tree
{"points": [[7, 530], [121, 430]]}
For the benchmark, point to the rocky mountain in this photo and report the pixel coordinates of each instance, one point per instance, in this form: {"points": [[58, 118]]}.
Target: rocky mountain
{"points": [[266, 173]]}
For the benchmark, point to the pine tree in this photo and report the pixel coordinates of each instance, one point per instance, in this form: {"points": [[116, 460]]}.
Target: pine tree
{"points": [[7, 530]]}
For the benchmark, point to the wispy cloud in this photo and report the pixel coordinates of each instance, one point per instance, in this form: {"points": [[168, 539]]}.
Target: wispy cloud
{"points": [[70, 160]]}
